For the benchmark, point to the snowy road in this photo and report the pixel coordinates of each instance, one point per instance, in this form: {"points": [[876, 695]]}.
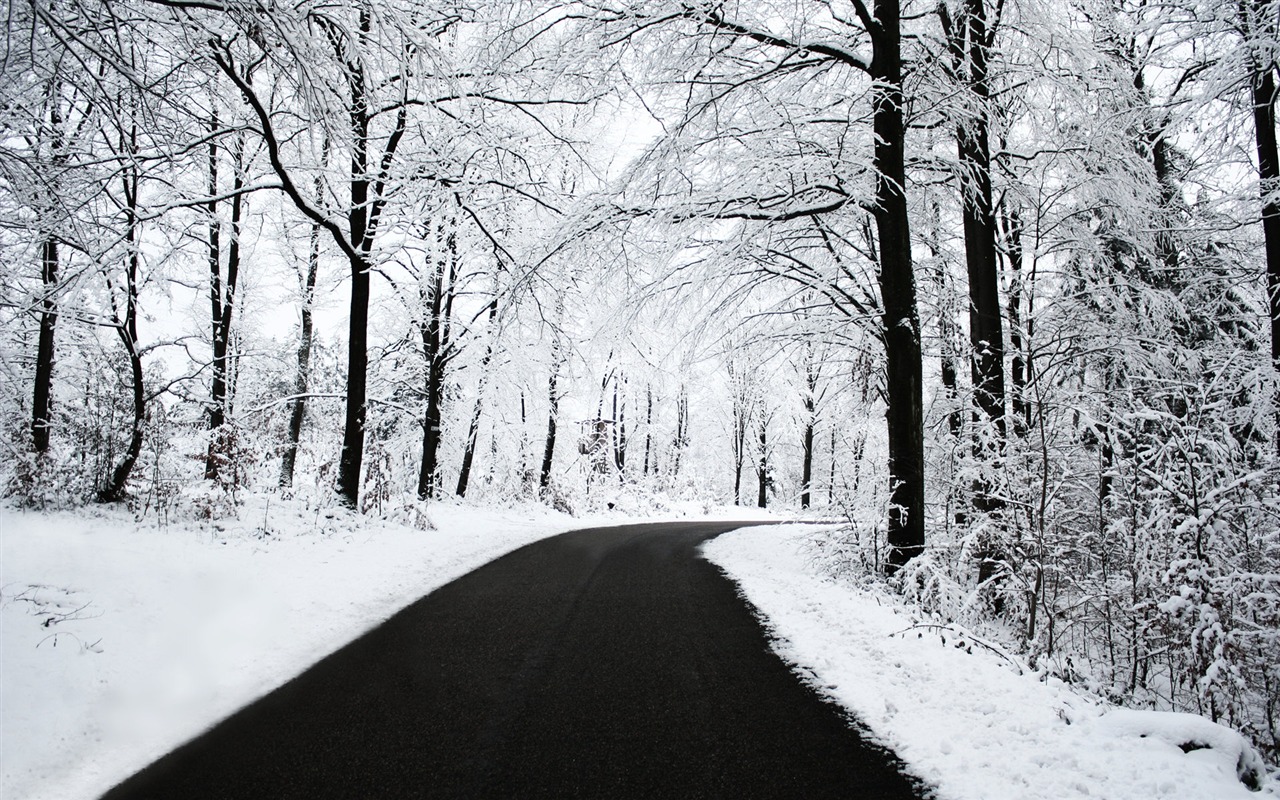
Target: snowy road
{"points": [[602, 663]]}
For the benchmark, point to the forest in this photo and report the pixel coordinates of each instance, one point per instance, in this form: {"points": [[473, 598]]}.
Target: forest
{"points": [[994, 282]]}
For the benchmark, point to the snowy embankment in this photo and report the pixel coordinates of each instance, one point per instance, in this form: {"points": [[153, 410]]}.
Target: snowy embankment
{"points": [[961, 716], [120, 641]]}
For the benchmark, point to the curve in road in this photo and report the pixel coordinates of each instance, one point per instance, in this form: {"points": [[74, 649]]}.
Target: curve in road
{"points": [[603, 663]]}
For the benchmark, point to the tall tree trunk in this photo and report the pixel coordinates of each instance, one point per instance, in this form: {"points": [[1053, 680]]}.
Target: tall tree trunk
{"points": [[348, 484], [222, 296], [549, 448], [806, 444], [648, 425], [969, 49], [762, 467], [127, 330], [973, 149], [831, 478], [359, 258], [1264, 124], [1021, 407], [435, 330], [903, 382], [42, 394], [681, 439], [553, 399], [302, 378], [218, 387], [619, 429], [42, 401], [473, 429]]}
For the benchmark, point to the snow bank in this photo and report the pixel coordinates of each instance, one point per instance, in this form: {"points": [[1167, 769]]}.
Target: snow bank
{"points": [[961, 716], [118, 642]]}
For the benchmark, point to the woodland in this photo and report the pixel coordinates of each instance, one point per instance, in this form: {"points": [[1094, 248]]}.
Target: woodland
{"points": [[995, 282]]}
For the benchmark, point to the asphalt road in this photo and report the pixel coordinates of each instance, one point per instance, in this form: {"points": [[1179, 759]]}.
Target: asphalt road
{"points": [[605, 663]]}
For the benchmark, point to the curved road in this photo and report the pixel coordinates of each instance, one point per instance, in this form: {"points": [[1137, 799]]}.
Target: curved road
{"points": [[605, 663]]}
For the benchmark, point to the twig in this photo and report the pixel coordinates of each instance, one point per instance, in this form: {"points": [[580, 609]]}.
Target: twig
{"points": [[966, 635]]}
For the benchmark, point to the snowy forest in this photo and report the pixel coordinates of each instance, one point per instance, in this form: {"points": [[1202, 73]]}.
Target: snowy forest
{"points": [[996, 283]]}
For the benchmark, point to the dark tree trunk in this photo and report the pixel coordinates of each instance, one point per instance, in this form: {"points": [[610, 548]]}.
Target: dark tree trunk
{"points": [[985, 329], [473, 429], [549, 449], [898, 291], [619, 430], [762, 469], [1264, 123], [42, 394], [831, 479], [553, 399], [361, 247], [127, 330], [42, 401], [222, 298], [1021, 406], [969, 50], [435, 332], [739, 455], [648, 425], [302, 380], [806, 477], [357, 365], [681, 440], [218, 386]]}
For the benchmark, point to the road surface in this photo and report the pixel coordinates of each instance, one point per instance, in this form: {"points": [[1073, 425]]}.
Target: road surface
{"points": [[604, 663]]}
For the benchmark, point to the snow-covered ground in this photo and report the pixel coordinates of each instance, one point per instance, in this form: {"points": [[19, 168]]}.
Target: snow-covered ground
{"points": [[961, 716], [118, 641]]}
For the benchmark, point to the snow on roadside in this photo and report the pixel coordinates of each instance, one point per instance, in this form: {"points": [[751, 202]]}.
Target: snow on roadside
{"points": [[967, 722], [118, 642]]}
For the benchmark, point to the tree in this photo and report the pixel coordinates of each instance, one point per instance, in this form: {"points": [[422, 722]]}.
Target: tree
{"points": [[222, 282], [371, 62], [306, 333], [970, 38], [1261, 31], [879, 28]]}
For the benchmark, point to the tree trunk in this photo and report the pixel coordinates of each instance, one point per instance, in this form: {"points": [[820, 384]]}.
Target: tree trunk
{"points": [[762, 469], [806, 477], [302, 380], [620, 430], [549, 449], [831, 479], [222, 298], [50, 262], [898, 291], [473, 429], [360, 238], [553, 399], [217, 387], [42, 402], [973, 149], [357, 365], [1264, 123], [1018, 366], [127, 330], [648, 425], [682, 431], [438, 299]]}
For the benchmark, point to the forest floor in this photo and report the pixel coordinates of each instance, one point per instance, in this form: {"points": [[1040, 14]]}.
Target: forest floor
{"points": [[119, 640]]}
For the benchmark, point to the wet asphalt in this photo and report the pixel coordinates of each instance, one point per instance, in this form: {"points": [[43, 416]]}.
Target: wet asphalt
{"points": [[603, 663]]}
